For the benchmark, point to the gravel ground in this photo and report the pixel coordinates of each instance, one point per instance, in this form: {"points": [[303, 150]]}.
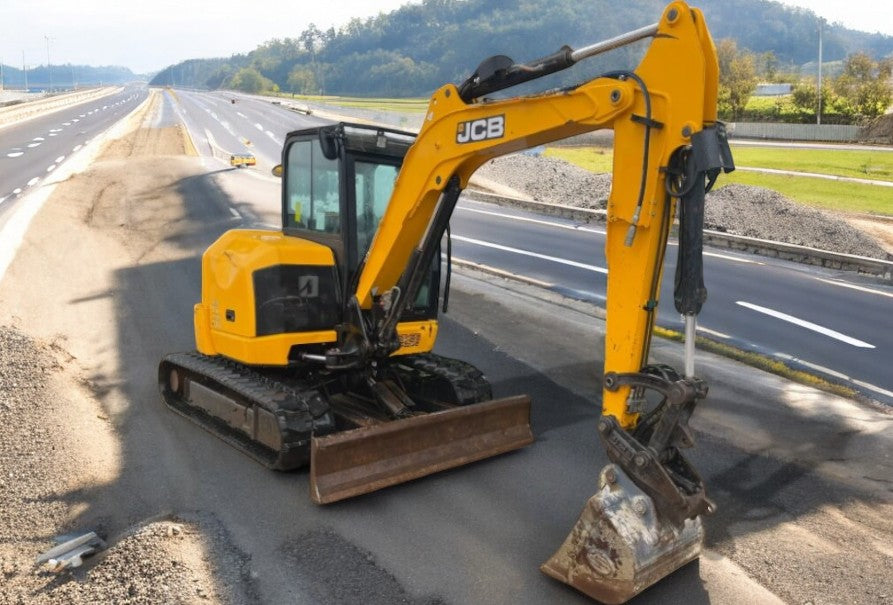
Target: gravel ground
{"points": [[737, 209], [45, 456]]}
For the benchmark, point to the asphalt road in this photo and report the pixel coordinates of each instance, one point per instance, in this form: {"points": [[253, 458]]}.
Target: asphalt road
{"points": [[822, 321], [31, 150]]}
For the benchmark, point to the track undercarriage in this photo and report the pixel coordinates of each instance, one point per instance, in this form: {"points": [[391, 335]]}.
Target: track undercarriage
{"points": [[366, 429]]}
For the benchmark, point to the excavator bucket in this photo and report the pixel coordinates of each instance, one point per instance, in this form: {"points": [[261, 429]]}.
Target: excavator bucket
{"points": [[620, 546], [366, 459]]}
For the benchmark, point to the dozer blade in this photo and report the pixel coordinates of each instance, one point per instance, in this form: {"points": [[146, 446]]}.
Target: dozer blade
{"points": [[619, 546], [366, 459]]}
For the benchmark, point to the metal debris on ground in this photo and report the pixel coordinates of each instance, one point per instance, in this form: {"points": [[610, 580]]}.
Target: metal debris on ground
{"points": [[70, 551]]}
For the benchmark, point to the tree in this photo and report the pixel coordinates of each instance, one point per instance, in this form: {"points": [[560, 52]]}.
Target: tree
{"points": [[249, 79], [302, 80], [865, 85], [737, 78]]}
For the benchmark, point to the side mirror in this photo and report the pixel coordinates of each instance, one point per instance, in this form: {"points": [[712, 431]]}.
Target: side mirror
{"points": [[328, 143], [277, 170]]}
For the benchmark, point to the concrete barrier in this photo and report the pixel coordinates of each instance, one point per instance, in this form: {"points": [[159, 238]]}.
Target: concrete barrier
{"points": [[31, 109]]}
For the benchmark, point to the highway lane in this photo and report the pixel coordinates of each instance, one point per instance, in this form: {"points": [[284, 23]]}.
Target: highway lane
{"points": [[823, 321], [31, 150], [826, 321]]}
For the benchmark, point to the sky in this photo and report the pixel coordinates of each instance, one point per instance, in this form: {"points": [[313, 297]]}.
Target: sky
{"points": [[148, 35]]}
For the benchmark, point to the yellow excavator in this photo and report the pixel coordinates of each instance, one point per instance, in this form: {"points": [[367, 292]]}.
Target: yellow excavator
{"points": [[314, 342]]}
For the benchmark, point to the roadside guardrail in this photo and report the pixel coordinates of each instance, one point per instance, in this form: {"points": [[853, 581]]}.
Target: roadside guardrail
{"points": [[791, 252]]}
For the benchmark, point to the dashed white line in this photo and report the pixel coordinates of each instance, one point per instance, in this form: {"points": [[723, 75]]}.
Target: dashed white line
{"points": [[51, 168], [259, 127], [66, 123], [235, 213], [76, 147], [33, 145], [59, 159], [241, 114], [806, 324], [33, 181], [2, 199], [554, 259], [17, 190], [38, 139], [15, 154]]}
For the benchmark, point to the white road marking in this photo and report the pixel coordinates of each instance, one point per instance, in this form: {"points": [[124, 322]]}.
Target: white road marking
{"points": [[82, 115], [75, 120], [59, 159], [38, 139], [51, 168], [235, 213], [241, 114], [52, 134], [525, 219], [2, 199], [15, 154], [806, 324], [66, 123], [55, 130], [855, 287], [33, 145], [76, 147], [33, 182], [17, 190], [553, 259], [259, 127]]}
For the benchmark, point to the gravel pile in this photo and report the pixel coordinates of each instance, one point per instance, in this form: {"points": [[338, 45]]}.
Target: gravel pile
{"points": [[549, 180], [169, 561], [736, 209], [766, 214]]}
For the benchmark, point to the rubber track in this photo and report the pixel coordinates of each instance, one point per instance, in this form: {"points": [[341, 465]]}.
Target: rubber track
{"points": [[300, 413]]}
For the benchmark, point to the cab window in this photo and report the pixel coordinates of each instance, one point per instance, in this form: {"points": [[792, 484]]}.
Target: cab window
{"points": [[374, 184], [313, 200]]}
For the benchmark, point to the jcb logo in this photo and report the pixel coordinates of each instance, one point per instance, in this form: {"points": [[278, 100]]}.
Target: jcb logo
{"points": [[481, 130]]}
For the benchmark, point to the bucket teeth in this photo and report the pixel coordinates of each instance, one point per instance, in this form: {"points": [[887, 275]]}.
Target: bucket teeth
{"points": [[619, 545]]}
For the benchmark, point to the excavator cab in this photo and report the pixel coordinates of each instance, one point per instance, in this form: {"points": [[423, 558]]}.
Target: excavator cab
{"points": [[337, 182]]}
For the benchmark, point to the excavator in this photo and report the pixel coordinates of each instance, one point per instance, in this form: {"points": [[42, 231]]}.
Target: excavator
{"points": [[314, 342]]}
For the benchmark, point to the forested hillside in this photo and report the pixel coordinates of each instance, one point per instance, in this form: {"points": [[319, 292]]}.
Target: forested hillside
{"points": [[66, 76], [413, 50]]}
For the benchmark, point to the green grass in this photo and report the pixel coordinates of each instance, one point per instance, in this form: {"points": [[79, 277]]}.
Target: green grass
{"points": [[876, 165], [594, 159], [819, 193]]}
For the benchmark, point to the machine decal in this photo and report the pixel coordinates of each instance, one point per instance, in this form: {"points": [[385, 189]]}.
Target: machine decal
{"points": [[481, 129]]}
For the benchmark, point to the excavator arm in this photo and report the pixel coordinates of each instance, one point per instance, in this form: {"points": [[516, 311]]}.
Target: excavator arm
{"points": [[668, 149]]}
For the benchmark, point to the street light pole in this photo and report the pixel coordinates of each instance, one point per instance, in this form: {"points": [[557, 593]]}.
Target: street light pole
{"points": [[818, 115], [25, 69], [49, 71]]}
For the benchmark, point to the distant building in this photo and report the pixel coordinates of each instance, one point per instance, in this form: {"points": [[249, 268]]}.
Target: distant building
{"points": [[772, 90]]}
